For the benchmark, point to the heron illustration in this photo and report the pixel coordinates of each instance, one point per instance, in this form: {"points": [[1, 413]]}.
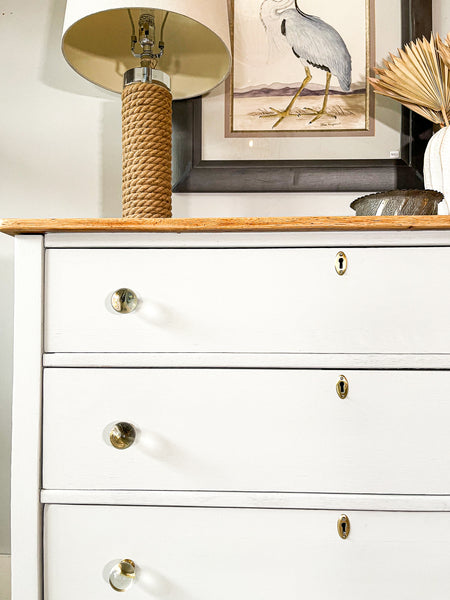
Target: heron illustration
{"points": [[314, 43]]}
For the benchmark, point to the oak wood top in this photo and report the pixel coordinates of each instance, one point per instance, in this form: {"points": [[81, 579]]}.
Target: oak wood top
{"points": [[22, 226]]}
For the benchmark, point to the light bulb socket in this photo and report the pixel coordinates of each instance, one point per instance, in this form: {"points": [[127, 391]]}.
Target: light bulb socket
{"points": [[146, 75]]}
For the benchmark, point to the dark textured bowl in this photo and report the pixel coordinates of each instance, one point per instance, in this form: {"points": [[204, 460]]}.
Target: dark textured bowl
{"points": [[398, 202]]}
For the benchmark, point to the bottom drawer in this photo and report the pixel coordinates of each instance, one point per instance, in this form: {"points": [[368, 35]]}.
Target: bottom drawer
{"points": [[245, 554]]}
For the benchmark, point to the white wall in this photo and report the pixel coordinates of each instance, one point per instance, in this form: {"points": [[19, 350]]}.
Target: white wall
{"points": [[441, 17], [60, 157]]}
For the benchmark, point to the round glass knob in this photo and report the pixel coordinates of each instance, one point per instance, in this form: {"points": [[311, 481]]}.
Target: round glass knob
{"points": [[124, 300], [122, 435], [122, 575]]}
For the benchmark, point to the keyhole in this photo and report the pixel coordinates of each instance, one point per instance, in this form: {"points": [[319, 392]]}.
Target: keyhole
{"points": [[342, 387], [341, 263], [344, 527]]}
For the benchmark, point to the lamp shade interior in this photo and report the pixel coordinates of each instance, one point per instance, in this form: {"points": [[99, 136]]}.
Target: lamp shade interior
{"points": [[97, 46]]}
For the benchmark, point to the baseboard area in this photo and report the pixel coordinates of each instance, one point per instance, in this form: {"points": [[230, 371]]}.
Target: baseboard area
{"points": [[5, 577]]}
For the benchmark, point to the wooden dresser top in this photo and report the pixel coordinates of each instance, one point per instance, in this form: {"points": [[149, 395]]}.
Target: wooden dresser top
{"points": [[21, 226]]}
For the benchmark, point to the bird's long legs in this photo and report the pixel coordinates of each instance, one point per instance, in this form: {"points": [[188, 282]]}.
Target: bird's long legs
{"points": [[323, 110], [284, 113]]}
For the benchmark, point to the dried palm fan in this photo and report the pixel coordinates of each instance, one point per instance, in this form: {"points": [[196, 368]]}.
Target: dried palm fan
{"points": [[419, 78], [444, 50]]}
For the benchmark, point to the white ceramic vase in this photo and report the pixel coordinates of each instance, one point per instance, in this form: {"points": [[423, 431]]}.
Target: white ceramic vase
{"points": [[436, 167]]}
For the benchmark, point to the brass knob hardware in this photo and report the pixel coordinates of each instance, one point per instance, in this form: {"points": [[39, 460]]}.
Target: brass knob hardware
{"points": [[341, 263], [342, 387], [122, 435], [122, 575], [124, 301], [343, 527]]}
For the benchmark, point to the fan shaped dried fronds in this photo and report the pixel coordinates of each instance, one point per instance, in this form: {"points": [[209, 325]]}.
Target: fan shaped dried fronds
{"points": [[419, 78], [444, 50]]}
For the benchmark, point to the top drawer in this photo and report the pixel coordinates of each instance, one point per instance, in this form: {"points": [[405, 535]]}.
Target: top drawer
{"points": [[390, 300]]}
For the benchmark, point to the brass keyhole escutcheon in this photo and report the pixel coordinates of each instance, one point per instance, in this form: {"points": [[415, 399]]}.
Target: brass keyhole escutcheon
{"points": [[343, 527], [342, 387], [341, 263]]}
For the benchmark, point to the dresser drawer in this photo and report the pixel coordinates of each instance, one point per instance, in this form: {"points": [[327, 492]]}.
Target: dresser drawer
{"points": [[248, 429], [249, 300], [246, 554]]}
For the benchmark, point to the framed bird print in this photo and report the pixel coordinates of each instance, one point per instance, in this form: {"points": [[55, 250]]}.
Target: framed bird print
{"points": [[296, 73], [296, 114]]}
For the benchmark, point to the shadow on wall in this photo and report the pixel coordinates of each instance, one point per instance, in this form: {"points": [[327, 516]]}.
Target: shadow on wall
{"points": [[57, 74], [111, 160], [6, 372]]}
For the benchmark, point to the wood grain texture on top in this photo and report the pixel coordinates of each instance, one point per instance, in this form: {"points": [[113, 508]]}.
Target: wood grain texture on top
{"points": [[21, 226]]}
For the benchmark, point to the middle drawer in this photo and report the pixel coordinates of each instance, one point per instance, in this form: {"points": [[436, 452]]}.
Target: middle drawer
{"points": [[247, 430]]}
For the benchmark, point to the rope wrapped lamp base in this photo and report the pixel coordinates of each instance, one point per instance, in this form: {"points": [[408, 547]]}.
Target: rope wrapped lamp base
{"points": [[146, 150]]}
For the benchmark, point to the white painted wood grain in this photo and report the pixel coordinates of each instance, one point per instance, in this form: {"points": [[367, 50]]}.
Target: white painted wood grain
{"points": [[26, 511], [244, 554], [249, 300], [247, 360], [281, 500], [248, 430], [252, 239]]}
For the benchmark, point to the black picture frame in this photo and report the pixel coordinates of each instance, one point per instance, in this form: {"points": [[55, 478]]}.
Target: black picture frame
{"points": [[192, 174]]}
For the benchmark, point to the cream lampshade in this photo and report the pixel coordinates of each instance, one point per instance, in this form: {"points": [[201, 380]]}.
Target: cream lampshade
{"points": [[167, 49]]}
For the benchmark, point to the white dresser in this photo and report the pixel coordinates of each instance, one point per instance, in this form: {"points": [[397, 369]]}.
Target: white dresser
{"points": [[244, 409]]}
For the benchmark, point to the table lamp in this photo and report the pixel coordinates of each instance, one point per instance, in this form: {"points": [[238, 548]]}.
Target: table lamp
{"points": [[169, 49]]}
